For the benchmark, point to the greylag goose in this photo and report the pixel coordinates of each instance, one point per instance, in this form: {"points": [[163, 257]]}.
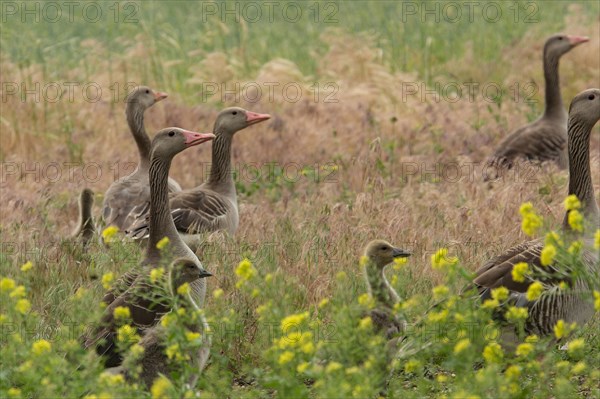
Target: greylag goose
{"points": [[85, 225], [133, 290], [211, 206], [132, 191], [154, 360], [544, 313], [379, 254], [546, 138]]}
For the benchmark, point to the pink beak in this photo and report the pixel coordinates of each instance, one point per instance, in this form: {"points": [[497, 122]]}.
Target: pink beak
{"points": [[575, 40], [193, 138], [160, 96], [253, 117]]}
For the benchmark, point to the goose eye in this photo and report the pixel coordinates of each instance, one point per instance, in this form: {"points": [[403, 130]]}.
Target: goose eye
{"points": [[560, 38], [147, 91], [384, 248], [234, 113], [591, 97], [171, 133]]}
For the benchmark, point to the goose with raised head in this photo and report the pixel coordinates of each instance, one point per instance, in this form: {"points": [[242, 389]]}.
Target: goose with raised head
{"points": [[133, 290], [154, 360], [572, 306], [130, 192], [378, 254], [213, 205], [85, 225], [546, 138]]}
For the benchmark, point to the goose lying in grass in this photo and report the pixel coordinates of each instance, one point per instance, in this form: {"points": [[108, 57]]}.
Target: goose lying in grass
{"points": [[546, 138], [570, 305]]}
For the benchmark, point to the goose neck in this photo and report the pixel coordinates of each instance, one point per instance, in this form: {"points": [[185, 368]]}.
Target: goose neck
{"points": [[135, 120], [379, 288], [554, 104], [220, 172]]}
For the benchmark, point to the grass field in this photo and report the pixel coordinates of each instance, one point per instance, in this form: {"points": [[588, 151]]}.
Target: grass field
{"points": [[382, 117]]}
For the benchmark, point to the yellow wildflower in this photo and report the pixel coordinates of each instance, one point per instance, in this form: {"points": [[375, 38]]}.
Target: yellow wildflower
{"points": [[40, 347], [109, 379], [515, 314], [597, 301], [352, 370], [575, 220], [285, 357], [365, 323], [578, 368], [412, 366], [597, 239], [218, 293], [27, 266], [490, 304], [7, 284], [524, 349], [156, 274], [399, 263], [440, 292], [513, 372], [160, 388], [340, 276], [14, 393], [561, 329], [302, 367], [18, 292], [255, 293], [575, 248], [532, 339], [23, 306], [192, 336], [136, 350], [441, 378], [534, 291], [107, 280], [308, 348], [575, 347], [547, 255], [268, 278], [553, 238], [293, 321], [366, 300], [362, 262], [109, 232], [519, 271], [183, 289], [440, 259], [127, 333], [324, 302], [166, 320], [531, 221], [245, 270], [437, 317], [173, 351], [462, 345], [162, 243], [121, 312], [492, 353], [571, 202], [332, 367], [500, 293]]}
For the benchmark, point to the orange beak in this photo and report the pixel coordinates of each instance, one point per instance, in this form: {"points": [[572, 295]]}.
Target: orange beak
{"points": [[193, 138], [577, 40], [160, 96], [253, 118]]}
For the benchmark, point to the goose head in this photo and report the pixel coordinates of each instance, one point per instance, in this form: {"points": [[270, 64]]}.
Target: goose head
{"points": [[382, 253], [558, 45], [185, 270], [172, 140], [234, 119], [145, 97], [585, 107]]}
